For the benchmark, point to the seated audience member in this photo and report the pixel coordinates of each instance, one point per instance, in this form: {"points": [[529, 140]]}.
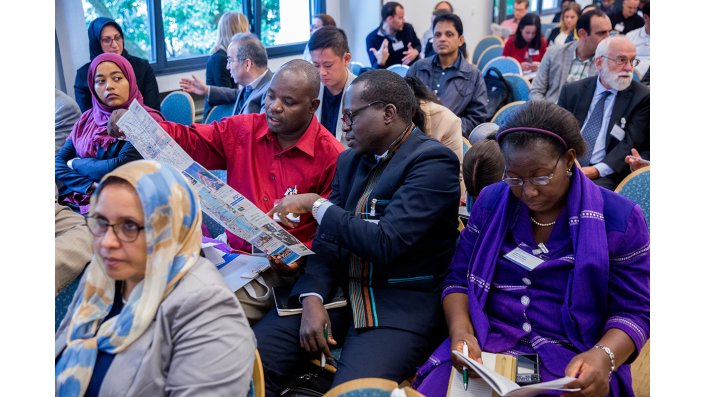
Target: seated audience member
{"points": [[150, 317], [267, 155], [247, 60], [217, 72], [438, 122], [527, 45], [448, 74], [573, 61], [66, 113], [613, 111], [394, 41], [72, 243], [635, 161], [439, 8], [624, 18], [606, 6], [386, 238], [647, 77], [483, 165], [318, 21], [565, 31], [105, 36], [557, 16], [641, 38], [521, 7], [331, 56], [90, 152], [584, 309]]}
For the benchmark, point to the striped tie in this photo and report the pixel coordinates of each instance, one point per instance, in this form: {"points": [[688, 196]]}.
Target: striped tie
{"points": [[592, 128]]}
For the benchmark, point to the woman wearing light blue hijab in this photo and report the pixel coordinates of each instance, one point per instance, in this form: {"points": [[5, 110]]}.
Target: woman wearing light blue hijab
{"points": [[151, 317]]}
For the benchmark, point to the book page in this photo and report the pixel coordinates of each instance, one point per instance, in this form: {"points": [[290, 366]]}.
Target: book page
{"points": [[532, 390], [476, 386], [497, 382]]}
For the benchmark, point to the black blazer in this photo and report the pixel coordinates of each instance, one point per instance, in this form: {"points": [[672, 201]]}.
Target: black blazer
{"points": [[632, 104], [408, 242]]}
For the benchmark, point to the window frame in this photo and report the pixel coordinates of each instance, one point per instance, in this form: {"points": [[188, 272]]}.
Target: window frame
{"points": [[252, 9]]}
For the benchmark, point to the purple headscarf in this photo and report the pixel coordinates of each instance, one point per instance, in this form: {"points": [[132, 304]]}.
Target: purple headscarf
{"points": [[90, 132]]}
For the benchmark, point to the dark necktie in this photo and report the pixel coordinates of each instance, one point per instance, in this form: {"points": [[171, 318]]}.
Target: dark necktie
{"points": [[243, 98], [593, 127]]}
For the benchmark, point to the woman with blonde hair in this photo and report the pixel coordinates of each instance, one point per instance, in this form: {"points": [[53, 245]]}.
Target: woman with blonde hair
{"points": [[565, 31]]}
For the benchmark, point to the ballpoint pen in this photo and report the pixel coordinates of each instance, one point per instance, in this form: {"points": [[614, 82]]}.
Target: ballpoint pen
{"points": [[323, 354], [465, 370]]}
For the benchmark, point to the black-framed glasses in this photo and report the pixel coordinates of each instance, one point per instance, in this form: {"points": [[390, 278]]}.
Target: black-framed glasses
{"points": [[126, 231], [109, 40], [349, 115], [621, 61], [536, 180]]}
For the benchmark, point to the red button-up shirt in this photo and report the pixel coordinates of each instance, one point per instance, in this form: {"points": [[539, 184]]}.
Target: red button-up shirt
{"points": [[256, 165]]}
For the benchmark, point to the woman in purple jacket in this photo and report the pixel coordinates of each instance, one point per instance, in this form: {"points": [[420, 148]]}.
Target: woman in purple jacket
{"points": [[578, 293]]}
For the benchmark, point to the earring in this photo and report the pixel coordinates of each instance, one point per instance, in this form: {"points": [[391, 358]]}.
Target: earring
{"points": [[569, 172]]}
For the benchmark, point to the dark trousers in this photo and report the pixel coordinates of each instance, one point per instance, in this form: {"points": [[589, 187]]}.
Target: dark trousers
{"points": [[382, 352]]}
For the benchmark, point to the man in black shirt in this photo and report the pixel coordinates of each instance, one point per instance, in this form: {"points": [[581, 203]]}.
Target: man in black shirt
{"points": [[625, 19], [394, 41]]}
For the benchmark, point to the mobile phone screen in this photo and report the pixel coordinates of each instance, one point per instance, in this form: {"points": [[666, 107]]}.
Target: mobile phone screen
{"points": [[527, 369]]}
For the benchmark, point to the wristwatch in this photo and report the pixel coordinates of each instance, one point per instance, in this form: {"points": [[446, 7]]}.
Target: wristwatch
{"points": [[316, 204]]}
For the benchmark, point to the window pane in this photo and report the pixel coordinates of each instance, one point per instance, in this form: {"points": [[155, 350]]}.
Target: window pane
{"points": [[132, 17], [191, 26], [285, 22], [550, 4]]}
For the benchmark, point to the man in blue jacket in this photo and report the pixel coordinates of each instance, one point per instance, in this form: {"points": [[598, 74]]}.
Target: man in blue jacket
{"points": [[386, 237]]}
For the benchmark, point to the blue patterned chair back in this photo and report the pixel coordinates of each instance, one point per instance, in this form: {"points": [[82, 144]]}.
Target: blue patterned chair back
{"points": [[484, 44], [63, 300], [399, 69], [637, 187], [489, 54], [220, 111], [506, 111], [520, 85], [504, 65], [179, 108], [355, 67]]}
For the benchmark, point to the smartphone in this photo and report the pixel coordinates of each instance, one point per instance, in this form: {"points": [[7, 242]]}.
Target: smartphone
{"points": [[527, 369]]}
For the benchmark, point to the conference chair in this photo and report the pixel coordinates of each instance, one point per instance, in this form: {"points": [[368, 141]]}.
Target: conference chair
{"points": [[636, 187], [371, 387], [179, 108], [503, 64], [482, 131], [257, 384], [520, 85], [399, 69], [489, 54], [640, 369], [547, 27], [356, 67], [506, 111], [63, 300], [484, 44], [220, 111]]}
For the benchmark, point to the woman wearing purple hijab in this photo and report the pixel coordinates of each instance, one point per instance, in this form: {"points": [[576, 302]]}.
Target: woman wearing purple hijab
{"points": [[578, 295], [90, 152]]}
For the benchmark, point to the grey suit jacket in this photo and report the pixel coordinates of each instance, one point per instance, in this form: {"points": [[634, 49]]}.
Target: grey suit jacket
{"points": [[255, 102], [339, 134], [199, 344], [553, 72]]}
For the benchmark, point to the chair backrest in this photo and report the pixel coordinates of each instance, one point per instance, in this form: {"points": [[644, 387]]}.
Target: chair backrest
{"points": [[257, 388], [466, 145], [63, 300], [547, 27], [220, 111], [355, 67], [641, 372], [637, 187], [482, 131], [489, 54], [485, 43], [504, 65], [520, 85], [506, 111], [399, 69], [179, 108], [367, 387]]}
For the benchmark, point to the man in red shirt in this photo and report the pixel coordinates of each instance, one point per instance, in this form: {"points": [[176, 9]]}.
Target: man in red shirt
{"points": [[265, 154]]}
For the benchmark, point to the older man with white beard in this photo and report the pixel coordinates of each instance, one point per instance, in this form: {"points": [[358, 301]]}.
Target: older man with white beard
{"points": [[613, 110]]}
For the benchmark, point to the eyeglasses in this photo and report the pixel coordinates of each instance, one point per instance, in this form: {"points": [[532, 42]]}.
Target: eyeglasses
{"points": [[126, 232], [536, 181], [349, 115], [621, 61], [109, 40]]}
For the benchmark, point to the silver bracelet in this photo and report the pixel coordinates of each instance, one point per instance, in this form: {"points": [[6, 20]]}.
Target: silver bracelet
{"points": [[609, 353], [316, 204]]}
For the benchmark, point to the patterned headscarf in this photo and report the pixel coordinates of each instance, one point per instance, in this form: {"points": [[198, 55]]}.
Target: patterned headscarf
{"points": [[91, 132], [173, 231]]}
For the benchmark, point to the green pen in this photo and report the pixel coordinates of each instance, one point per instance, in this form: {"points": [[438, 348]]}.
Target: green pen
{"points": [[323, 354], [465, 370]]}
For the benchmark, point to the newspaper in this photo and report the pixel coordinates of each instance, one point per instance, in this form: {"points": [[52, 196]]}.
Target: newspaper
{"points": [[220, 201]]}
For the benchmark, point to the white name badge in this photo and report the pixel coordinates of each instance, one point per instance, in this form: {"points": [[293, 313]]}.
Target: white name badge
{"points": [[619, 27], [524, 259], [397, 45], [533, 52], [617, 132]]}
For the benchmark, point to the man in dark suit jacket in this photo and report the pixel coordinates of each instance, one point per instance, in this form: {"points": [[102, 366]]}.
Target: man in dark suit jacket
{"points": [[247, 61], [624, 118], [386, 237]]}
